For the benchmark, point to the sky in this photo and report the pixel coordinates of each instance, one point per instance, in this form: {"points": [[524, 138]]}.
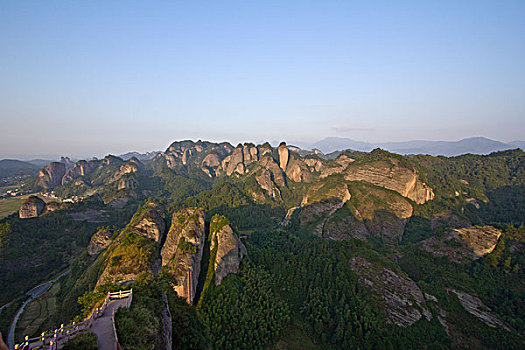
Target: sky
{"points": [[83, 78]]}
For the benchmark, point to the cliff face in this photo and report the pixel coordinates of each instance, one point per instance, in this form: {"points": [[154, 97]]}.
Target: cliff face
{"points": [[182, 251], [392, 176], [338, 211], [135, 251], [32, 207], [81, 168], [99, 241], [463, 244], [230, 249], [403, 301], [150, 225], [51, 175]]}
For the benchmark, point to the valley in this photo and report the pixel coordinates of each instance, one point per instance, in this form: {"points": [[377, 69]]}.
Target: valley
{"points": [[255, 246]]}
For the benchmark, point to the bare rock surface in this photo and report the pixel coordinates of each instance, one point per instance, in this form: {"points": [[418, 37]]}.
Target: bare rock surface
{"points": [[51, 175], [151, 225], [32, 207], [99, 241], [230, 249], [182, 251], [81, 168], [393, 177], [475, 306], [463, 244], [404, 302]]}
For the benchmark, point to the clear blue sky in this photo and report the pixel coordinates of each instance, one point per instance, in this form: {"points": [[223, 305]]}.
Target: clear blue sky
{"points": [[95, 77]]}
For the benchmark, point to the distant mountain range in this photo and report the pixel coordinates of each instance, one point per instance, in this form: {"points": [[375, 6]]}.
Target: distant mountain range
{"points": [[474, 145]]}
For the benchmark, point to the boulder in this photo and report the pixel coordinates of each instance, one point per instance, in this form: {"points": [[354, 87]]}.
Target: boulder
{"points": [[32, 207]]}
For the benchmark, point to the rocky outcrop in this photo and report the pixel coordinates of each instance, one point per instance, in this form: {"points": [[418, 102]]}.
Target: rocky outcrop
{"points": [[181, 153], [481, 239], [393, 177], [230, 249], [475, 306], [403, 300], [51, 175], [313, 217], [81, 168], [284, 155], [265, 180], [99, 241], [32, 207], [182, 251], [367, 211], [234, 163], [463, 244], [271, 165], [135, 251], [150, 224]]}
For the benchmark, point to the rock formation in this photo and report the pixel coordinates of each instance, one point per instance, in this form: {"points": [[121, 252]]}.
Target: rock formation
{"points": [[135, 251], [393, 177], [81, 168], [463, 244], [403, 300], [475, 306], [230, 249], [373, 212], [32, 207], [150, 225], [284, 155], [182, 251], [51, 175], [99, 241]]}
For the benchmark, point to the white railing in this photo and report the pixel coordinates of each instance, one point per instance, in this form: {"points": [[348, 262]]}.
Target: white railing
{"points": [[61, 335]]}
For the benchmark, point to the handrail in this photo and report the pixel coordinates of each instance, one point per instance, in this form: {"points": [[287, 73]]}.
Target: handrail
{"points": [[53, 339]]}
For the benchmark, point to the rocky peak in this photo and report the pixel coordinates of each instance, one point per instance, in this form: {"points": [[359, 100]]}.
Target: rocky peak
{"points": [[230, 249], [81, 168], [51, 175], [32, 207], [284, 155], [182, 251]]}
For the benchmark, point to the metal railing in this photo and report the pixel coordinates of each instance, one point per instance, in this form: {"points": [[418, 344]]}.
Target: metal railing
{"points": [[61, 335]]}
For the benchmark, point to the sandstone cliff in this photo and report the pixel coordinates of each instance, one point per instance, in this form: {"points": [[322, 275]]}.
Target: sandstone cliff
{"points": [[463, 244], [32, 207], [135, 251], [393, 176], [51, 175], [81, 168], [229, 248], [403, 301], [182, 251], [336, 210], [99, 241]]}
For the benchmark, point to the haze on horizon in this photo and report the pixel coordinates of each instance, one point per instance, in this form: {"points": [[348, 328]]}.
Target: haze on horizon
{"points": [[109, 77]]}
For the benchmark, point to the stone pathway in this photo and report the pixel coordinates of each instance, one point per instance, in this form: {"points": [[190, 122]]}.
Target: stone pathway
{"points": [[103, 326]]}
